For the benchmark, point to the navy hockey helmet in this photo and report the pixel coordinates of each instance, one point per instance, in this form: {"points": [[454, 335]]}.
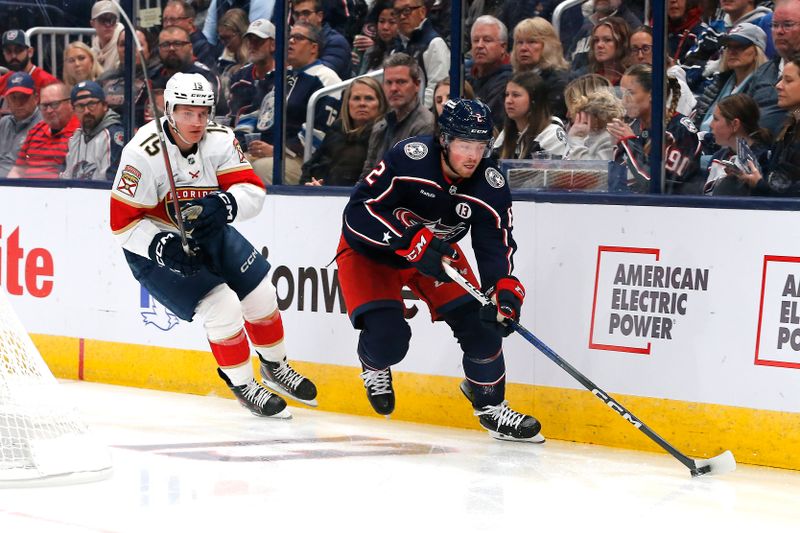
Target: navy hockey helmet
{"points": [[466, 119]]}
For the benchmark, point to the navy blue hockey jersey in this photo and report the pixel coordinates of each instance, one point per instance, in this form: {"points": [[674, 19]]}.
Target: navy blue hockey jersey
{"points": [[409, 187]]}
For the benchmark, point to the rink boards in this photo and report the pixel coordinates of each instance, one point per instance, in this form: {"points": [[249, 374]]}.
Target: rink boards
{"points": [[689, 317]]}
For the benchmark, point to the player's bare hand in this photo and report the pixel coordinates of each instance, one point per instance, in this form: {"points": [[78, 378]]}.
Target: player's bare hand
{"points": [[619, 129], [259, 149], [362, 42], [316, 182]]}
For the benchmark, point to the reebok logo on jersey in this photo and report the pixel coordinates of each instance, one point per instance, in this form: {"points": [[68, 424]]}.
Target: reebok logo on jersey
{"points": [[423, 192]]}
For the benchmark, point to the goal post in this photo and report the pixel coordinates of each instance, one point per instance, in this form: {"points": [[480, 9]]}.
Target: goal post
{"points": [[42, 438]]}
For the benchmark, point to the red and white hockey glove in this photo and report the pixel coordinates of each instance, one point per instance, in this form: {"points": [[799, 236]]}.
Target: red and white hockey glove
{"points": [[507, 297], [418, 245], [203, 218]]}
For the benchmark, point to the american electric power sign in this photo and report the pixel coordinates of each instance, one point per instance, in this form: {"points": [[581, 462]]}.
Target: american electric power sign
{"points": [[639, 298], [778, 336]]}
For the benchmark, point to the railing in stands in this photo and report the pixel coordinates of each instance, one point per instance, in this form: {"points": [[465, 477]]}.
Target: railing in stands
{"points": [[312, 104], [559, 10], [39, 34]]}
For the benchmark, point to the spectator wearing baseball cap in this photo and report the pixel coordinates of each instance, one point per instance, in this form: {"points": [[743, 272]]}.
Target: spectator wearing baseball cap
{"points": [[742, 54], [17, 52], [22, 100], [44, 150], [259, 47], [95, 148], [105, 21]]}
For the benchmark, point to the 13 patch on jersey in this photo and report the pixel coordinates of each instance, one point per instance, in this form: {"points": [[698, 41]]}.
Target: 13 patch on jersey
{"points": [[416, 150], [494, 178]]}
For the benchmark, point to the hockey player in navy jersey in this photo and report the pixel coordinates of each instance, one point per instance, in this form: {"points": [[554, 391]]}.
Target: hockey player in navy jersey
{"points": [[222, 278], [402, 220]]}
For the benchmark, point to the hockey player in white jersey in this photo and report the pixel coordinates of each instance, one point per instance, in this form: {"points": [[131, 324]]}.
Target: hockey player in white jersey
{"points": [[222, 279]]}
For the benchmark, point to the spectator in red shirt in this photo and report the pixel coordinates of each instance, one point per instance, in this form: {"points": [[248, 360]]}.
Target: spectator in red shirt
{"points": [[44, 150], [17, 52]]}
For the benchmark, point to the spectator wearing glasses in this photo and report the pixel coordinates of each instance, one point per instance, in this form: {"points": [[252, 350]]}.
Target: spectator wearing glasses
{"points": [[181, 14], [743, 53], [95, 148], [335, 51], [22, 99], [491, 68], [231, 29], [306, 75], [641, 53], [44, 150], [80, 63], [175, 51], [259, 47], [255, 10], [786, 36], [105, 21], [17, 52], [418, 38]]}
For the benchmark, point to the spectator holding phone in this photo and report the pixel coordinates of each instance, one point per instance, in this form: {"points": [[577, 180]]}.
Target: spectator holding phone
{"points": [[781, 177], [736, 130]]}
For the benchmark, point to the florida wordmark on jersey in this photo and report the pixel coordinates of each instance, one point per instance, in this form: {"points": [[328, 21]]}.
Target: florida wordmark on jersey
{"points": [[409, 187], [141, 202]]}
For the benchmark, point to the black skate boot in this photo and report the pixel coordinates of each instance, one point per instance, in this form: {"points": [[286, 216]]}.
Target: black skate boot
{"points": [[283, 379], [504, 423], [379, 389], [257, 399]]}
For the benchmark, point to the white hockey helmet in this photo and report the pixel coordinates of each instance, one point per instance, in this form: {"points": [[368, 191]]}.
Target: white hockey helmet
{"points": [[188, 89]]}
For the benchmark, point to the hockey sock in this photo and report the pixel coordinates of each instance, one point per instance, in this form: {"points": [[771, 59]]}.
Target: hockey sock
{"points": [[233, 357], [266, 335]]}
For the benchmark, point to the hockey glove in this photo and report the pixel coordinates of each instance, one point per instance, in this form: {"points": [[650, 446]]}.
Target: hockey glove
{"points": [[203, 218], [507, 297], [167, 251], [418, 245]]}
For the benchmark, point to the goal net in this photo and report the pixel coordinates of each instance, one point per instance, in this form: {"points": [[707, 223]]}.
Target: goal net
{"points": [[42, 439]]}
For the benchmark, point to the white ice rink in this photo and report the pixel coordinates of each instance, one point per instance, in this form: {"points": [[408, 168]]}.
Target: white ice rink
{"points": [[186, 463]]}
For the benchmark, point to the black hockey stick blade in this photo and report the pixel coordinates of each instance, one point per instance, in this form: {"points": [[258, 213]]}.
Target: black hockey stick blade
{"points": [[716, 465]]}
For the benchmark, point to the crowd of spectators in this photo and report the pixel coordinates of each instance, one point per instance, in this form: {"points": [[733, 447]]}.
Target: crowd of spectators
{"points": [[582, 91]]}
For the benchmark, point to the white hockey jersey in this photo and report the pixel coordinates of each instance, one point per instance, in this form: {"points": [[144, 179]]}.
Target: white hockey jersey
{"points": [[141, 202]]}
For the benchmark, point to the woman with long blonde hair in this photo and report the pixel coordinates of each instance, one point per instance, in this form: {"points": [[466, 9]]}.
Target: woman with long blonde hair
{"points": [[537, 48], [80, 64], [340, 157]]}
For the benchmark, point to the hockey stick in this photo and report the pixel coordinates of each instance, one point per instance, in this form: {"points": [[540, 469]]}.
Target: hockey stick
{"points": [[159, 129], [720, 464]]}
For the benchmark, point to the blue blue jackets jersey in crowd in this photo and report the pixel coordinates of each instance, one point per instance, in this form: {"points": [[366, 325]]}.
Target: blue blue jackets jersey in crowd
{"points": [[409, 187]]}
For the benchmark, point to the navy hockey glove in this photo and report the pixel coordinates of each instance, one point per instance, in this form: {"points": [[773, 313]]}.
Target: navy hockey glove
{"points": [[203, 218], [167, 251], [418, 245], [507, 297]]}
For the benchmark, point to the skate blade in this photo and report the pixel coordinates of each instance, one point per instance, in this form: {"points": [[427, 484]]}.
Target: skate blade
{"points": [[280, 391], [536, 439], [280, 415]]}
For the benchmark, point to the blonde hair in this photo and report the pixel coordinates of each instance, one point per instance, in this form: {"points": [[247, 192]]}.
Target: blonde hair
{"points": [[347, 122], [96, 71], [540, 30], [577, 91], [603, 106]]}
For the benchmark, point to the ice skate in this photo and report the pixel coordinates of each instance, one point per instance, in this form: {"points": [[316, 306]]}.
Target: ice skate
{"points": [[379, 390], [283, 379], [504, 423], [257, 399]]}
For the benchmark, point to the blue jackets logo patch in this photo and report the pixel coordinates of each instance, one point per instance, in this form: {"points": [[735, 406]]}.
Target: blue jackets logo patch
{"points": [[494, 178], [416, 150]]}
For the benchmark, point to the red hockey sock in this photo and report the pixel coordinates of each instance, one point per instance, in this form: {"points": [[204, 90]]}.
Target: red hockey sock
{"points": [[232, 351], [267, 331]]}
